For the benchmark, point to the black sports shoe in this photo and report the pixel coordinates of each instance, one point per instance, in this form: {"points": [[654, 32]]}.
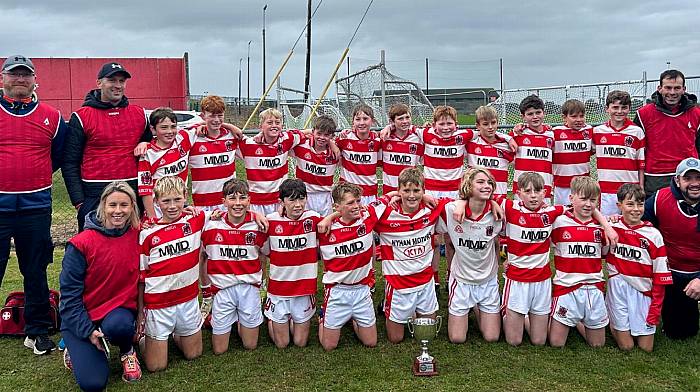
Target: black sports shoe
{"points": [[41, 344]]}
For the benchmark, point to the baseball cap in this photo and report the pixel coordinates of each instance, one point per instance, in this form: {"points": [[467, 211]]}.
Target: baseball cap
{"points": [[17, 60], [110, 69], [687, 165]]}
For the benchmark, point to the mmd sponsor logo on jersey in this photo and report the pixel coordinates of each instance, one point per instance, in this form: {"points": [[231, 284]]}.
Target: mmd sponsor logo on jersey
{"points": [[269, 162], [174, 249], [237, 253], [216, 160], [349, 249]]}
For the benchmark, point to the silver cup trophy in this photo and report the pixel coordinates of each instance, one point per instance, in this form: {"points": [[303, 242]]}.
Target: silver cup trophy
{"points": [[424, 329]]}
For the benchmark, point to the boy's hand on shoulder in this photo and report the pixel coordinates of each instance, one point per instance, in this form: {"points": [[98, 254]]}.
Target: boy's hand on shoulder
{"points": [[498, 212], [513, 145], [191, 210], [200, 129], [217, 215], [611, 236], [429, 201], [140, 149], [235, 131], [262, 222], [386, 132], [518, 129], [258, 138], [459, 212]]}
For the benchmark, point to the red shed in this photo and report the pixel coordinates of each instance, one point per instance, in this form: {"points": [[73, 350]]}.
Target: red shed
{"points": [[63, 82]]}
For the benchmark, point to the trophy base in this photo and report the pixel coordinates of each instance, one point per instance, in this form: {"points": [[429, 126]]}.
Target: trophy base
{"points": [[424, 369]]}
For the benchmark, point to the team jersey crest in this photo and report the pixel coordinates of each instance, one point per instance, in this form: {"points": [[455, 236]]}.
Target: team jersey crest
{"points": [[308, 225], [250, 238], [219, 238], [370, 146], [644, 243], [155, 240], [259, 151], [331, 238], [545, 219], [489, 231], [412, 148], [458, 229], [628, 141], [279, 229], [603, 140], [181, 151], [549, 142], [597, 236], [146, 178], [186, 229], [586, 135], [229, 145], [522, 221], [202, 148], [566, 235], [459, 139], [361, 230], [280, 148], [561, 311]]}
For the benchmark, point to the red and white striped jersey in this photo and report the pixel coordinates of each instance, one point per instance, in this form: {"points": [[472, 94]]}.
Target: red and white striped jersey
{"points": [[619, 154], [475, 242], [572, 154], [398, 154], [159, 162], [266, 165], [639, 257], [577, 254], [233, 251], [443, 159], [170, 261], [347, 250], [494, 156], [528, 237], [406, 244], [212, 163], [535, 151], [360, 160], [316, 169], [291, 246]]}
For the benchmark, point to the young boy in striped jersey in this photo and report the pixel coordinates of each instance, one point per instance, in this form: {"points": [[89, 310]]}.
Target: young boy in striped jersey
{"points": [[619, 149], [168, 287], [578, 283], [347, 251], [572, 149], [213, 155], [232, 245], [266, 160], [405, 244], [535, 142], [361, 151], [491, 150], [401, 148], [292, 249], [316, 164], [637, 274]]}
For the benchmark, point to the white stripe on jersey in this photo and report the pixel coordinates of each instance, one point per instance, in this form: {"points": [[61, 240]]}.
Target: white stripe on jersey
{"points": [[166, 283]]}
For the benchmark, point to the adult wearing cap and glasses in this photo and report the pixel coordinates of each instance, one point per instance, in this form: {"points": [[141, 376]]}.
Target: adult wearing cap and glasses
{"points": [[30, 150], [105, 141], [674, 211]]}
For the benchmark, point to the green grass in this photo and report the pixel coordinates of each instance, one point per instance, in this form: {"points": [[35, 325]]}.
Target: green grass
{"points": [[474, 365]]}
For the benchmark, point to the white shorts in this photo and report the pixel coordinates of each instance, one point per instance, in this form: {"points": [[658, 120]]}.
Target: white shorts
{"points": [[367, 200], [608, 204], [464, 296], [585, 304], [628, 308], [454, 195], [321, 202], [265, 209], [527, 297], [400, 307], [561, 196], [237, 303], [343, 303], [282, 309], [180, 320]]}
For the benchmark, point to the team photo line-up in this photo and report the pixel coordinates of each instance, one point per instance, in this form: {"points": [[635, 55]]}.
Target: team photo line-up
{"points": [[134, 274]]}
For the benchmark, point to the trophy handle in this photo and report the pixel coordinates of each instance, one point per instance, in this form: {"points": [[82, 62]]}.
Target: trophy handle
{"points": [[438, 319], [409, 325]]}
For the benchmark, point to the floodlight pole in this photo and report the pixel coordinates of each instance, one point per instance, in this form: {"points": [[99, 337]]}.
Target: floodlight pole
{"points": [[264, 83], [240, 60], [247, 99]]}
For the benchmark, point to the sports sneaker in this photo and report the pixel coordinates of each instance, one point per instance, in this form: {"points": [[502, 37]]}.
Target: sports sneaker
{"points": [[41, 344], [131, 366], [66, 360]]}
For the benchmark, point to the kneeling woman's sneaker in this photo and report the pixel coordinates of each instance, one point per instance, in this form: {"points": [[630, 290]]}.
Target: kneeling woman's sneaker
{"points": [[132, 369], [66, 360]]}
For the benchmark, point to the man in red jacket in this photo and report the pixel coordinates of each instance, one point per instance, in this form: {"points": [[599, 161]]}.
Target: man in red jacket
{"points": [[105, 134], [674, 211], [671, 124]]}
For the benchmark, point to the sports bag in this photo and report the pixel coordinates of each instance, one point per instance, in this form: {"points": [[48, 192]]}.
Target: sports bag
{"points": [[12, 314]]}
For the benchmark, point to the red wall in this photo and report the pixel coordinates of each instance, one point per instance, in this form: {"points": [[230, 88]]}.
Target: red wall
{"points": [[63, 82]]}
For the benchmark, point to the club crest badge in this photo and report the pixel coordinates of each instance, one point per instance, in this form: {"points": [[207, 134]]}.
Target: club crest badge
{"points": [[545, 219], [186, 229], [489, 231], [644, 243], [566, 235], [155, 240], [458, 229], [522, 221], [598, 236], [308, 225], [603, 140], [628, 141], [219, 238], [586, 134], [279, 229], [331, 238], [361, 230], [259, 151], [146, 178], [413, 149], [459, 139], [229, 145], [250, 238]]}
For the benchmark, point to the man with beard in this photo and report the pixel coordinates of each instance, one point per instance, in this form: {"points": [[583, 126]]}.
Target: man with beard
{"points": [[671, 123], [102, 145], [674, 211]]}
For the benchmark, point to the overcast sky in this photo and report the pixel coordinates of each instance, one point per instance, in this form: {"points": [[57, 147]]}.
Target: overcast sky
{"points": [[542, 43]]}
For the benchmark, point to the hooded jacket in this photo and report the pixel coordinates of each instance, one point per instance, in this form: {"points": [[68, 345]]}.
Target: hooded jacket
{"points": [[672, 134], [99, 274], [100, 147], [12, 200]]}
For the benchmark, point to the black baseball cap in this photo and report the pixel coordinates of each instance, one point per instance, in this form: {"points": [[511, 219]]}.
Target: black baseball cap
{"points": [[110, 69], [16, 61]]}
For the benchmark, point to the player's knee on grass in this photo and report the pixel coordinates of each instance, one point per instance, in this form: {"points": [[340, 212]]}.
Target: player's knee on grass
{"points": [[646, 343], [394, 331], [279, 333], [595, 337]]}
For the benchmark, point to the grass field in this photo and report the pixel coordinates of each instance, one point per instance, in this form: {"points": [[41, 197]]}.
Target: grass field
{"points": [[474, 365]]}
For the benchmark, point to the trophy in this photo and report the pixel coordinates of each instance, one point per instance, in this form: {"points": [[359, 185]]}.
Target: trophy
{"points": [[424, 329]]}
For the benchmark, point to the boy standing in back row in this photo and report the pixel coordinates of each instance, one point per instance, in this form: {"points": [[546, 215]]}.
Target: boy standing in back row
{"points": [[572, 149]]}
